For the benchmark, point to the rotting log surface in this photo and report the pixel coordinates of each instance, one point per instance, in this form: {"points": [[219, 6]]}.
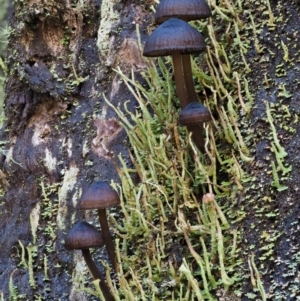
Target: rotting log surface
{"points": [[57, 139], [271, 227]]}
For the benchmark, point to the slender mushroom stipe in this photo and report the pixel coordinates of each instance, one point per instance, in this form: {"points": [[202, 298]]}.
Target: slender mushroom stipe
{"points": [[179, 79], [188, 77]]}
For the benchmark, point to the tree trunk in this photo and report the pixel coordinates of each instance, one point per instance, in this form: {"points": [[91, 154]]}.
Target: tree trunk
{"points": [[59, 132], [60, 135]]}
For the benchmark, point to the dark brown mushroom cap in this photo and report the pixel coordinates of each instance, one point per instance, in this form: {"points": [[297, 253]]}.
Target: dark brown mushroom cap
{"points": [[194, 113], [83, 236], [174, 35], [186, 10], [99, 195]]}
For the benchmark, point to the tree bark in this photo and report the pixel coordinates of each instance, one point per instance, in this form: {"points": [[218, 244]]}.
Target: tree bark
{"points": [[60, 134]]}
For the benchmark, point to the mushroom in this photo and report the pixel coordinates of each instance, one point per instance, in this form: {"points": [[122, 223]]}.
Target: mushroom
{"points": [[175, 37], [84, 236], [186, 10], [100, 196], [191, 116], [187, 40]]}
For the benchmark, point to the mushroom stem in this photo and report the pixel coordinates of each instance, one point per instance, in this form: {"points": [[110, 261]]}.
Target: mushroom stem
{"points": [[197, 136], [96, 274], [188, 77], [107, 238], [186, 92], [179, 79]]}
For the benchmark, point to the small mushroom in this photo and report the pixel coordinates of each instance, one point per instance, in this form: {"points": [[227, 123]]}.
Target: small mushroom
{"points": [[176, 38], [191, 116], [186, 10], [101, 196], [194, 113], [84, 236]]}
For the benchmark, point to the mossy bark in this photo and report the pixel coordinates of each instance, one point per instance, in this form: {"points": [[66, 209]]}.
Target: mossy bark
{"points": [[59, 137], [59, 133]]}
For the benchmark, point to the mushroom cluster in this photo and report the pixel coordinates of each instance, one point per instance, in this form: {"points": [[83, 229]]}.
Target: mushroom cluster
{"points": [[84, 236], [175, 37]]}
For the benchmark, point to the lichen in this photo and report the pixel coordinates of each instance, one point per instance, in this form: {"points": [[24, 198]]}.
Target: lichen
{"points": [[109, 19], [69, 181], [50, 161]]}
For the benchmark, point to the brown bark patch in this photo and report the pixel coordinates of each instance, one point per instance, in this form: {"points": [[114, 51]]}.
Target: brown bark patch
{"points": [[46, 111], [130, 55], [107, 131]]}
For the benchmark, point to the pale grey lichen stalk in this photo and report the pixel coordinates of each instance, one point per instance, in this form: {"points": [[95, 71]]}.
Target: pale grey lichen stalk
{"points": [[109, 18]]}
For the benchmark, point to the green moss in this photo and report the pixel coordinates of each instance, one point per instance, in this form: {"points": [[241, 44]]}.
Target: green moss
{"points": [[172, 177], [163, 208]]}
